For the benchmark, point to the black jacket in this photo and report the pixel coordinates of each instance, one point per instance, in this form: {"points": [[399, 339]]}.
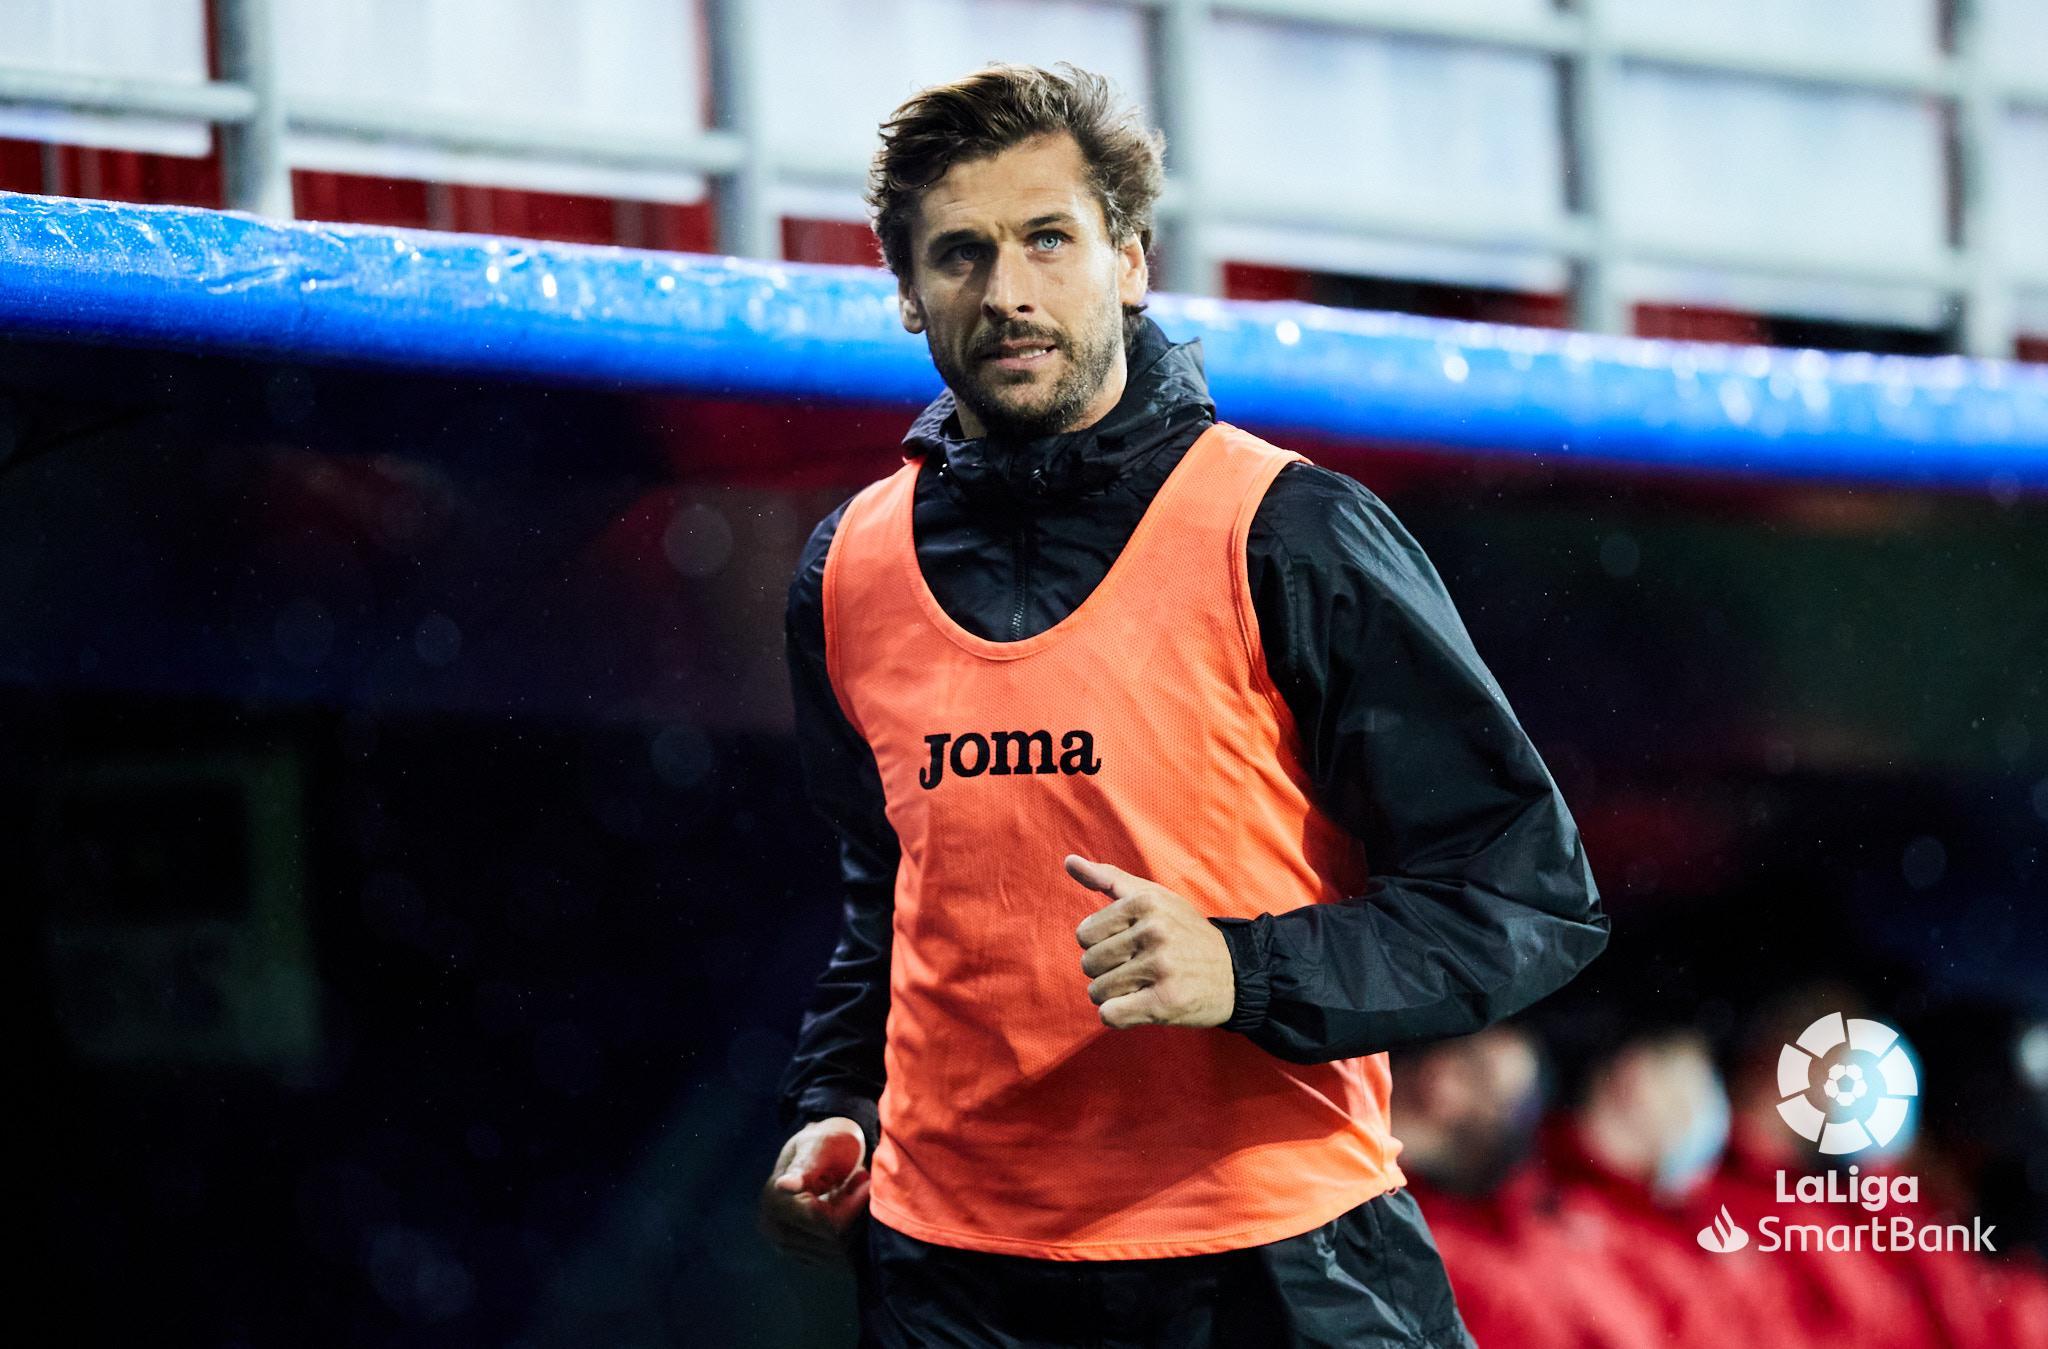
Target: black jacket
{"points": [[1481, 900]]}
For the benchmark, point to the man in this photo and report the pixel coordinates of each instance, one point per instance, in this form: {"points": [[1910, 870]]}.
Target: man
{"points": [[1617, 1202], [1109, 703], [1467, 1115]]}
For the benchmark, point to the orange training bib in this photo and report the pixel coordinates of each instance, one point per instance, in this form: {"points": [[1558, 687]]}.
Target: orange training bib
{"points": [[1141, 730]]}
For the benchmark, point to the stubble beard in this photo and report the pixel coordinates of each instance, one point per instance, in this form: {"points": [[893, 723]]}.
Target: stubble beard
{"points": [[982, 388]]}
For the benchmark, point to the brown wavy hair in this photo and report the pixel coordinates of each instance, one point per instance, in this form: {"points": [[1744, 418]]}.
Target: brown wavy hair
{"points": [[996, 107]]}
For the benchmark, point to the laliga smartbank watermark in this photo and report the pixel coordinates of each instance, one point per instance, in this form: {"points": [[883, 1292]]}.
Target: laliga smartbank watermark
{"points": [[1846, 1085]]}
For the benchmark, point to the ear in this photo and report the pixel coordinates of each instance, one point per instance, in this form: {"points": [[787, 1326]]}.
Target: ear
{"points": [[1133, 277], [909, 307]]}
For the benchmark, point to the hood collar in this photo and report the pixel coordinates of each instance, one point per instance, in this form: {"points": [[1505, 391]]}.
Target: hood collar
{"points": [[1164, 390]]}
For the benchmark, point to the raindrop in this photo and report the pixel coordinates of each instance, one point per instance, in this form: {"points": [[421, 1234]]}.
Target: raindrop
{"points": [[1923, 862], [406, 523], [437, 640], [417, 1277], [1619, 555], [698, 541], [681, 755]]}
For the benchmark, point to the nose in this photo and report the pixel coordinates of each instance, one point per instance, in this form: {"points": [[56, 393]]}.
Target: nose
{"points": [[1009, 288]]}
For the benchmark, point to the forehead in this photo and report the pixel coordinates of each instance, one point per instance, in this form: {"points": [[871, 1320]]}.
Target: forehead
{"points": [[1030, 179]]}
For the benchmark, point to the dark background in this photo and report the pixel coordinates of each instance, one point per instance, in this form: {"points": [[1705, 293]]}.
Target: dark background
{"points": [[414, 898]]}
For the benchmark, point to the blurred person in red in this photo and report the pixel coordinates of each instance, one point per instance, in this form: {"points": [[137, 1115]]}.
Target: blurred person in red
{"points": [[1625, 1181], [1467, 1111]]}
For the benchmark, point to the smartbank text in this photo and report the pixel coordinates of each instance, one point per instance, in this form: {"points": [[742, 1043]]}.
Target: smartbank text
{"points": [[1896, 1233]]}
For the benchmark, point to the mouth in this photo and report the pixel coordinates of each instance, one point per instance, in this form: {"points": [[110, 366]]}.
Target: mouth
{"points": [[1021, 360]]}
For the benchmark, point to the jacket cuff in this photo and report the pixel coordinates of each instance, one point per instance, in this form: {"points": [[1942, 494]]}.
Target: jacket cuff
{"points": [[1251, 944], [825, 1103]]}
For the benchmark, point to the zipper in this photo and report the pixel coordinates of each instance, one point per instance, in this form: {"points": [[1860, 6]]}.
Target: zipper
{"points": [[1021, 552]]}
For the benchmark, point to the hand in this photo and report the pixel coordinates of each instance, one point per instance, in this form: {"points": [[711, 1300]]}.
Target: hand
{"points": [[817, 1189], [1155, 959]]}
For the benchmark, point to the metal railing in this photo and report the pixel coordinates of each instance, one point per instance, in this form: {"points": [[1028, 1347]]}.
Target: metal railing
{"points": [[1973, 272]]}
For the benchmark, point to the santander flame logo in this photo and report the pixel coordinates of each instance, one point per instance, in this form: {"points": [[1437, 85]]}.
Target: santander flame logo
{"points": [[1724, 1235]]}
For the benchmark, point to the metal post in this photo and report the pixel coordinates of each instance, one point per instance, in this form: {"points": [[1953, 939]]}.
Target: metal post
{"points": [[257, 176], [1179, 36], [1597, 305], [747, 223], [1988, 310]]}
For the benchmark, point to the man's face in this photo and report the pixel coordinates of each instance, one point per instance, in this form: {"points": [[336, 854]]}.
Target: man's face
{"points": [[1013, 249], [1483, 1095]]}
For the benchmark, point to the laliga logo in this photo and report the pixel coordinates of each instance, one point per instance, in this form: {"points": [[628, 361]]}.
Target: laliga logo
{"points": [[1862, 1076]]}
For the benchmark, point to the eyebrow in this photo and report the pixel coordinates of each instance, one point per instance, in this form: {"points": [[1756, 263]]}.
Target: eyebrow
{"points": [[937, 247]]}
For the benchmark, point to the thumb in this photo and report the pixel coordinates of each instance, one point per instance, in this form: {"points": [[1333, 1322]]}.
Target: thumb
{"points": [[1110, 880], [820, 1162], [798, 1175]]}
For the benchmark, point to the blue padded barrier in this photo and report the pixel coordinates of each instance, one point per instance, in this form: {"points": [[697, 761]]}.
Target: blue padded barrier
{"points": [[226, 281]]}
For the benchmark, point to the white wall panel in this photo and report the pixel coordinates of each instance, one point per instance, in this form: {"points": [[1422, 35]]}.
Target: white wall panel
{"points": [[847, 66], [2019, 158], [1375, 124], [2017, 32], [2032, 309], [1497, 11], [1714, 161], [148, 39], [627, 66], [1871, 31]]}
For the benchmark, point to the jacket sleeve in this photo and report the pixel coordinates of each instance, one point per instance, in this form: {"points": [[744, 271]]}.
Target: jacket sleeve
{"points": [[1481, 899], [836, 1068]]}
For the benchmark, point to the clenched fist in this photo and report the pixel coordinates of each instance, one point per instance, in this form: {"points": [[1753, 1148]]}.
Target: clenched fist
{"points": [[819, 1186], [1155, 959]]}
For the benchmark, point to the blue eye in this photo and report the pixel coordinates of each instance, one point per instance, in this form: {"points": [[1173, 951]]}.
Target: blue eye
{"points": [[957, 249]]}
